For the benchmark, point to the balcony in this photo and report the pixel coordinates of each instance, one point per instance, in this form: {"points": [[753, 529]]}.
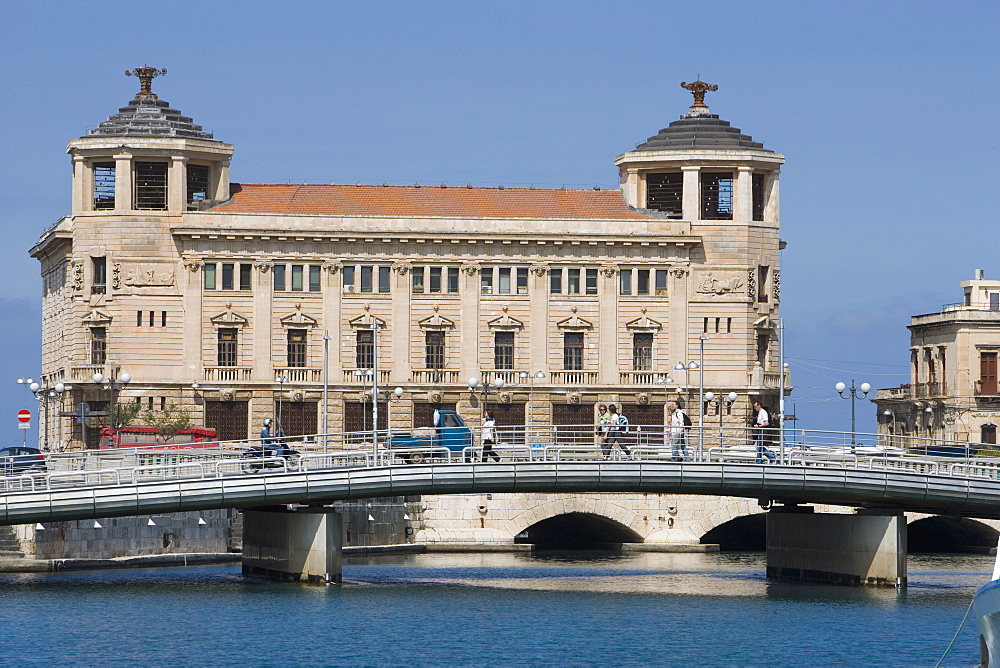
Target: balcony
{"points": [[434, 376], [768, 379], [640, 377], [574, 377], [224, 374], [86, 372], [987, 388], [364, 376], [296, 374]]}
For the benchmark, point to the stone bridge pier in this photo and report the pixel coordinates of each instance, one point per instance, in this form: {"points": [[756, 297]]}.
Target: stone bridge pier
{"points": [[302, 545]]}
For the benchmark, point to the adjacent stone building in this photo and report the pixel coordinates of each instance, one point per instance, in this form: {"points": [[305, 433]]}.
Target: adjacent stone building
{"points": [[953, 392], [226, 298]]}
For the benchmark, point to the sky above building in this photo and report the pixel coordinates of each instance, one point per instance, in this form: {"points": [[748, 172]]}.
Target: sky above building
{"points": [[884, 110]]}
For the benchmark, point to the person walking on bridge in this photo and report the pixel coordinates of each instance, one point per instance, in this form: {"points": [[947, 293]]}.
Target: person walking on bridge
{"points": [[761, 422], [678, 437], [489, 435], [616, 429]]}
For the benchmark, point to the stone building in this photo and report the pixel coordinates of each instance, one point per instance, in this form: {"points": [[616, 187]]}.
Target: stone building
{"points": [[953, 392], [226, 298]]}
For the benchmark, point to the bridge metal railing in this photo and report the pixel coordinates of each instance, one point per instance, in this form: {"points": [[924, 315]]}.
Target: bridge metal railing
{"points": [[538, 443]]}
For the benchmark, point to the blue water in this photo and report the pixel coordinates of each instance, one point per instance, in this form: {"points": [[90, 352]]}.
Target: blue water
{"points": [[497, 609]]}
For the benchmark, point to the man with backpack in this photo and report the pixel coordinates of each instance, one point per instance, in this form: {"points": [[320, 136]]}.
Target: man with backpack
{"points": [[761, 424], [678, 436], [617, 428]]}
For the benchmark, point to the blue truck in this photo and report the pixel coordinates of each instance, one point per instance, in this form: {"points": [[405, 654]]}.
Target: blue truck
{"points": [[448, 433]]}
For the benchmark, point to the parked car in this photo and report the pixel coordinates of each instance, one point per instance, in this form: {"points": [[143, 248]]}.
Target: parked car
{"points": [[18, 459], [268, 456], [449, 431]]}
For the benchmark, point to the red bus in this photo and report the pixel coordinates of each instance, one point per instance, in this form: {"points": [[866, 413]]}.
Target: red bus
{"points": [[146, 438]]}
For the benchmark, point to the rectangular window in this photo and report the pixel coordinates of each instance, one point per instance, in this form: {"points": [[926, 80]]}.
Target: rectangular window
{"points": [[729, 325], [364, 350], [197, 184], [642, 351], [988, 373], [522, 281], [245, 273], [642, 282], [717, 195], [573, 281], [435, 285], [625, 279], [227, 346], [227, 276], [366, 279], [104, 186], [718, 321], [763, 272], [418, 280], [665, 192], [314, 278], [573, 351], [486, 281], [98, 345], [661, 282], [434, 345], [99, 285], [279, 277], [503, 281], [150, 185], [555, 281], [151, 318], [138, 318], [591, 281], [704, 325], [383, 279], [296, 347], [757, 189], [349, 279], [503, 350], [208, 271], [762, 342], [297, 271], [453, 279], [163, 318]]}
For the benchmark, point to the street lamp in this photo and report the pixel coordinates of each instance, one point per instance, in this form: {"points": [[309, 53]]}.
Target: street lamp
{"points": [[531, 392], [26, 382], [280, 380], [728, 400], [701, 389], [496, 383], [387, 396], [853, 393], [113, 385], [46, 395]]}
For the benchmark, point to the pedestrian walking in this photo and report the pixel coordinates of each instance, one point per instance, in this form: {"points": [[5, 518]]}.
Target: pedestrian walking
{"points": [[617, 428], [678, 435], [761, 423], [489, 435], [601, 430]]}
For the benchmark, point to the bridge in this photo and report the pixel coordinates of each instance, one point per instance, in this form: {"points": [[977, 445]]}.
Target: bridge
{"points": [[881, 477]]}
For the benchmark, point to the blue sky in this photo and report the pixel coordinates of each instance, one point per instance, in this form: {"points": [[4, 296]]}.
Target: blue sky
{"points": [[886, 112]]}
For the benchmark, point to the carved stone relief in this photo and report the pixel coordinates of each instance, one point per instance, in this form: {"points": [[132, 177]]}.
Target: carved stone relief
{"points": [[710, 285], [138, 277], [470, 268], [332, 267], [609, 270], [116, 275], [680, 272], [263, 266], [538, 269], [751, 284], [194, 264], [77, 272], [777, 284], [402, 267]]}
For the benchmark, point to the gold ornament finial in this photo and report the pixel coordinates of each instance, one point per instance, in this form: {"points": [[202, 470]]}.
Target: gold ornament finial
{"points": [[145, 74], [698, 89]]}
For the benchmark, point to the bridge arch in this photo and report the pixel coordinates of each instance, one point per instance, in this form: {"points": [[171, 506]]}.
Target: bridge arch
{"points": [[577, 522], [940, 533]]}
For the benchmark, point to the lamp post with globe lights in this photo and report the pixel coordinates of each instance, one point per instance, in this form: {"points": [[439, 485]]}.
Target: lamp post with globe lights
{"points": [[531, 392], [718, 402], [44, 396], [853, 393], [115, 386]]}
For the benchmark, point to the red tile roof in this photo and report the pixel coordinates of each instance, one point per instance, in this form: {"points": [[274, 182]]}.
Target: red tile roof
{"points": [[418, 201]]}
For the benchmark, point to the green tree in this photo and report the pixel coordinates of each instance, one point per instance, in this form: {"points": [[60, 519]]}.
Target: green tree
{"points": [[168, 422], [121, 414]]}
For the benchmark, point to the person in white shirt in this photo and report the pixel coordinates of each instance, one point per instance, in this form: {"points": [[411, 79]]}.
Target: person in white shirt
{"points": [[678, 439], [761, 423], [489, 435], [615, 433]]}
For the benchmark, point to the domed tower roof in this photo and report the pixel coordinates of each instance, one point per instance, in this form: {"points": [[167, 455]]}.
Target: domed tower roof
{"points": [[699, 128], [148, 116]]}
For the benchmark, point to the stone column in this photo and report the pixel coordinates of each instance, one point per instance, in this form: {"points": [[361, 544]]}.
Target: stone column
{"points": [[400, 333], [772, 205], [263, 323], [123, 182], [692, 188], [192, 285], [293, 546], [222, 180], [177, 184], [744, 195], [607, 324], [468, 324], [862, 549], [83, 192], [538, 322], [678, 325]]}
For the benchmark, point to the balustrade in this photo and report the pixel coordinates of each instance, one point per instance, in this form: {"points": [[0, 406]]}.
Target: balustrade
{"points": [[228, 373], [434, 376], [574, 377], [299, 374]]}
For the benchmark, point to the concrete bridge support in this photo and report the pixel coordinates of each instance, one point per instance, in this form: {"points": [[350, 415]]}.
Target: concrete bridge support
{"points": [[303, 545], [865, 548]]}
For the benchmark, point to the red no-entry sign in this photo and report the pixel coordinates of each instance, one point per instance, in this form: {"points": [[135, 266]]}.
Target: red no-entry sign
{"points": [[24, 415]]}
